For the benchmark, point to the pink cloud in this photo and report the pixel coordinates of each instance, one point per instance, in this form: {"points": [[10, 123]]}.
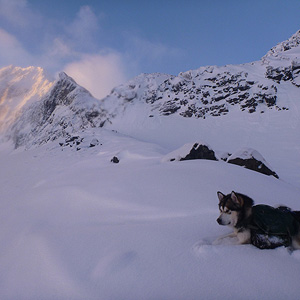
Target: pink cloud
{"points": [[98, 73]]}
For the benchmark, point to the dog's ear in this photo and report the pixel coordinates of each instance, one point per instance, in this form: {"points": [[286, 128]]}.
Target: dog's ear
{"points": [[220, 196], [236, 199]]}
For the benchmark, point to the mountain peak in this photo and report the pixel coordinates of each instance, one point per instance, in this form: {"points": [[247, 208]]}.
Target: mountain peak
{"points": [[65, 109], [292, 42], [65, 76]]}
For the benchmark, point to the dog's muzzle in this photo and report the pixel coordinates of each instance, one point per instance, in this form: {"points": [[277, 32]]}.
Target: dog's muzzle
{"points": [[219, 221], [224, 220]]}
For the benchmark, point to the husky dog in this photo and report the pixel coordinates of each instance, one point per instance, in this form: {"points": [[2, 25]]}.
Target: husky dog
{"points": [[260, 225]]}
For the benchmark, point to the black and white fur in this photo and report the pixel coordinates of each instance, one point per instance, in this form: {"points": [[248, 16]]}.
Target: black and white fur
{"points": [[236, 212]]}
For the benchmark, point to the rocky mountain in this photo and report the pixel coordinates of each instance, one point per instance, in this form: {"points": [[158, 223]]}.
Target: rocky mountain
{"points": [[213, 90], [66, 108], [35, 110], [281, 48]]}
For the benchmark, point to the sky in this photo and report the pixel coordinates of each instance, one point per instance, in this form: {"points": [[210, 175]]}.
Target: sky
{"points": [[102, 44]]}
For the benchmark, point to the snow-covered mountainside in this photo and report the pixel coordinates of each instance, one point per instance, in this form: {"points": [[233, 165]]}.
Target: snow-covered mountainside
{"points": [[19, 87], [66, 108], [62, 107], [215, 91]]}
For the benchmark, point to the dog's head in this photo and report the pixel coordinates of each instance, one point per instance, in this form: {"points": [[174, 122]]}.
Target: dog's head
{"points": [[230, 206]]}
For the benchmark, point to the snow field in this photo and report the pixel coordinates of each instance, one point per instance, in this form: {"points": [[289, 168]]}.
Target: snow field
{"points": [[76, 226]]}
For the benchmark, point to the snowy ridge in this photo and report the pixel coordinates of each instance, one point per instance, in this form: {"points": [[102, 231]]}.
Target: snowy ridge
{"points": [[283, 61], [67, 108], [215, 91], [141, 87], [292, 42], [210, 91], [19, 87]]}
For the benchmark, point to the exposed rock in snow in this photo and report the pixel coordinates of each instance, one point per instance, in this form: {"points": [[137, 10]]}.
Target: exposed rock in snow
{"points": [[94, 142], [191, 151], [115, 160], [200, 151], [251, 159], [222, 155], [245, 157], [211, 91]]}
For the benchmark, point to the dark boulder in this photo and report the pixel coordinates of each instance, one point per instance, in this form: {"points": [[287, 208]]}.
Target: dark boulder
{"points": [[115, 160], [251, 159], [200, 151], [191, 151]]}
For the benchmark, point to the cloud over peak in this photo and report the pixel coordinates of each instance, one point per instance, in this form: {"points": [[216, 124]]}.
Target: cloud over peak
{"points": [[85, 45], [99, 73]]}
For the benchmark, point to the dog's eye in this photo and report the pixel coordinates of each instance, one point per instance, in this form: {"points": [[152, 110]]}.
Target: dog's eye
{"points": [[227, 211]]}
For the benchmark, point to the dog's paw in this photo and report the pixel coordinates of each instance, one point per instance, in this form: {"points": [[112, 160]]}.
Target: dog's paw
{"points": [[227, 240]]}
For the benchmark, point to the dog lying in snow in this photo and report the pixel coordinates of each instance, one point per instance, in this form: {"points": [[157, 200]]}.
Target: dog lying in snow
{"points": [[261, 225]]}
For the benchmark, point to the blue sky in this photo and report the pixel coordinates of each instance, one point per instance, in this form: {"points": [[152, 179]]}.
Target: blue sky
{"points": [[104, 43]]}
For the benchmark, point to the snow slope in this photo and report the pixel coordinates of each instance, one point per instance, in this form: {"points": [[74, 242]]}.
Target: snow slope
{"points": [[75, 225]]}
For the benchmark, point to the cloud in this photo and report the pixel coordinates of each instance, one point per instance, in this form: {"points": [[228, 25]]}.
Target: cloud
{"points": [[72, 41], [12, 51], [18, 13], [81, 32], [60, 48], [98, 73], [72, 49], [144, 53], [85, 22], [78, 46], [152, 50]]}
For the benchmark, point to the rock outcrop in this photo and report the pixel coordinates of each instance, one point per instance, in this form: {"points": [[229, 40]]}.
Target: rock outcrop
{"points": [[252, 160]]}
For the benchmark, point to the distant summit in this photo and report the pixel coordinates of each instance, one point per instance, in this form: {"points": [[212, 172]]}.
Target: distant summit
{"points": [[65, 109], [292, 42]]}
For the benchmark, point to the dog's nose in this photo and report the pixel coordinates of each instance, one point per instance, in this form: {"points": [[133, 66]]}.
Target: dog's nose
{"points": [[219, 221]]}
